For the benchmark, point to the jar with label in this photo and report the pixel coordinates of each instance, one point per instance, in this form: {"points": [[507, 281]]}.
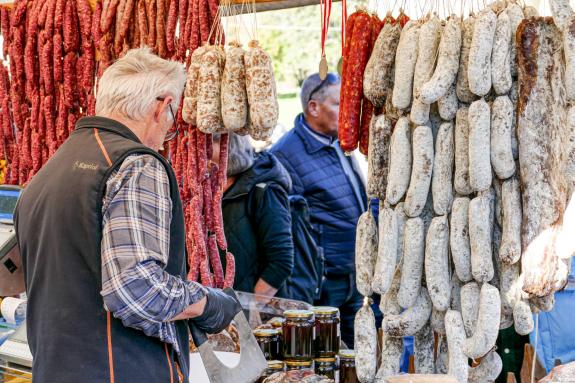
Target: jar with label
{"points": [[269, 341], [325, 367], [327, 332], [347, 372], [273, 367], [295, 365], [298, 335]]}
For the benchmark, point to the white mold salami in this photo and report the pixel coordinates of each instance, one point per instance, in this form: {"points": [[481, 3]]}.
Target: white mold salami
{"points": [[365, 252], [386, 252], [480, 235], [501, 146], [459, 239], [487, 328], [479, 66], [455, 332], [412, 268], [400, 162], [470, 306], [437, 263], [421, 171], [405, 59], [464, 94], [500, 65], [461, 181], [410, 321], [510, 251], [479, 120], [442, 180], [365, 344]]}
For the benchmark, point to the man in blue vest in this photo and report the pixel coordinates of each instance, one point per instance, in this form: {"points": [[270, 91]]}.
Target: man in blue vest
{"points": [[333, 186], [102, 238]]}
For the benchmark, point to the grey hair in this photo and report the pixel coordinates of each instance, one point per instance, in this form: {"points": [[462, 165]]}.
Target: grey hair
{"points": [[240, 154], [131, 85]]}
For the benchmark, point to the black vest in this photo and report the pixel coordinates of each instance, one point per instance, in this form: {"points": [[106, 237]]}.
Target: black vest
{"points": [[59, 228]]}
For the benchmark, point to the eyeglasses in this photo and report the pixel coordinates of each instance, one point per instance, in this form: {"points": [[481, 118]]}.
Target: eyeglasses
{"points": [[330, 79], [174, 133]]}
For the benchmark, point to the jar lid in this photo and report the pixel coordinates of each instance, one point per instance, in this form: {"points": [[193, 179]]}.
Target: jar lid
{"points": [[347, 354], [299, 363], [275, 364], [277, 322], [298, 314], [326, 310], [325, 360], [266, 332]]}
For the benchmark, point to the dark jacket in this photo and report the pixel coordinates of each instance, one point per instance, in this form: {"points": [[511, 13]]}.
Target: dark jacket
{"points": [[317, 175], [59, 228], [258, 230]]}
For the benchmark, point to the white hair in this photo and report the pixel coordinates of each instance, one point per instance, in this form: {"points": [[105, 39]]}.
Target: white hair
{"points": [[131, 85]]}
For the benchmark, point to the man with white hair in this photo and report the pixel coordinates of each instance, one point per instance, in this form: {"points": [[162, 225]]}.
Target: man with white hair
{"points": [[101, 233]]}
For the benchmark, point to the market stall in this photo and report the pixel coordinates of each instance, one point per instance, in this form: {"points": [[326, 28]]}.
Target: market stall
{"points": [[464, 114]]}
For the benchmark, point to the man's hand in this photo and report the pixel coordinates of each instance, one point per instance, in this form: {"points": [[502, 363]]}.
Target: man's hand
{"points": [[264, 290], [219, 311]]}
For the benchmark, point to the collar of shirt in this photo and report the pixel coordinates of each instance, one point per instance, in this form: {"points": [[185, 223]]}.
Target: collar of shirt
{"points": [[322, 138]]}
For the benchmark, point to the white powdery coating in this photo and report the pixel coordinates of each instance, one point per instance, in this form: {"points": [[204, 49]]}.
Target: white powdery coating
{"points": [[437, 263], [462, 86], [488, 370], [459, 239], [262, 95], [410, 321], [400, 162], [378, 156], [569, 49], [480, 230], [190, 106], [234, 94], [501, 146], [448, 104], [461, 181], [509, 288], [419, 113], [487, 328], [570, 158], [365, 342], [470, 306], [405, 59], [561, 11], [457, 366], [516, 16], [500, 65], [401, 220], [423, 350], [447, 63], [378, 74], [422, 169], [392, 349], [442, 180], [479, 66], [510, 251], [412, 268], [386, 252], [479, 120], [542, 304], [365, 252], [530, 12], [209, 117], [388, 304], [429, 37], [437, 321], [456, 286]]}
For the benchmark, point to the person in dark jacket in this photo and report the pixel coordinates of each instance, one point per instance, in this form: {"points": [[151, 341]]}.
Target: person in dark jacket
{"points": [[333, 187], [257, 219]]}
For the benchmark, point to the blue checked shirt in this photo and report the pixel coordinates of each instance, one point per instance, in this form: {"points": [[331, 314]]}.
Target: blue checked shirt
{"points": [[137, 212]]}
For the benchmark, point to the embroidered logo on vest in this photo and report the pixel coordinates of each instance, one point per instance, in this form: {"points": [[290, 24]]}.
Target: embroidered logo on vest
{"points": [[85, 165]]}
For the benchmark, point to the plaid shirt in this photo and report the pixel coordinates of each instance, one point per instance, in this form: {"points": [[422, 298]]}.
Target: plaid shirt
{"points": [[137, 213]]}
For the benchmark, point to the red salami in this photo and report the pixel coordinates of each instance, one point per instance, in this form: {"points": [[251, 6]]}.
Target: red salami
{"points": [[352, 84]]}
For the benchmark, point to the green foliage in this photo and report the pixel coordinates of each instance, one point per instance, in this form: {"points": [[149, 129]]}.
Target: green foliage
{"points": [[293, 39]]}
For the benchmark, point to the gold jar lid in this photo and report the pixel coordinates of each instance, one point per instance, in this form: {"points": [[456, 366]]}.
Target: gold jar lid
{"points": [[275, 365], [277, 322], [347, 354], [265, 332], [299, 363], [325, 310], [325, 360], [303, 314]]}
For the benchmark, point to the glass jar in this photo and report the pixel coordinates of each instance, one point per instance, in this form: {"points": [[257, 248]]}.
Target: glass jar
{"points": [[298, 335], [347, 372], [325, 367], [269, 341], [294, 365], [274, 366], [327, 333]]}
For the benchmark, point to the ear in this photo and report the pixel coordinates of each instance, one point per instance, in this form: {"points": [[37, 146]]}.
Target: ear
{"points": [[313, 108]]}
